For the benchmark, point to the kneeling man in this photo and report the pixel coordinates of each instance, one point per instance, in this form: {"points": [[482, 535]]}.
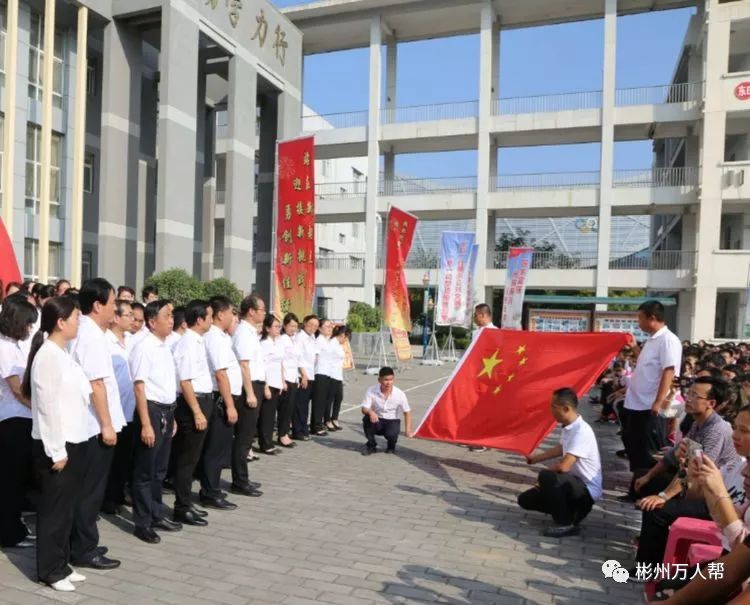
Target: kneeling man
{"points": [[381, 412], [568, 489]]}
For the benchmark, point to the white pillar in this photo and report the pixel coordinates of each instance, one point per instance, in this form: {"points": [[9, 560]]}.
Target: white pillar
{"points": [[607, 149], [373, 160], [79, 148], [46, 140], [9, 142]]}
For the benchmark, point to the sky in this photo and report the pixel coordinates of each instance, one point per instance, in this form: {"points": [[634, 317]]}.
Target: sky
{"points": [[533, 61]]}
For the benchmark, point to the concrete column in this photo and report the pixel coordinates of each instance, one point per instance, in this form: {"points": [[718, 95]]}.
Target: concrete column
{"points": [[269, 125], [79, 148], [178, 101], [17, 195], [373, 160], [488, 50], [391, 72], [607, 149], [120, 149], [11, 73], [716, 51], [240, 177], [46, 140]]}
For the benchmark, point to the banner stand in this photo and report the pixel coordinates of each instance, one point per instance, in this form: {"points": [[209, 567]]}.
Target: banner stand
{"points": [[448, 352], [379, 355], [432, 354]]}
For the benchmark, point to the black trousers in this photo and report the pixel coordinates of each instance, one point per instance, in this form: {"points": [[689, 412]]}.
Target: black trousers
{"points": [[150, 465], [320, 399], [244, 433], [15, 477], [335, 397], [389, 429], [643, 434], [300, 426], [187, 447], [287, 401], [59, 494], [85, 535], [562, 495], [267, 420], [122, 465], [217, 449], [655, 526]]}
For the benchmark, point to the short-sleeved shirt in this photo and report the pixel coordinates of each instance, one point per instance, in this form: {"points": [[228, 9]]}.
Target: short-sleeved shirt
{"points": [[172, 340], [90, 349], [12, 363], [191, 361], [475, 334], [221, 357], [273, 354], [578, 439], [291, 352], [387, 408], [151, 362], [320, 342], [119, 352], [308, 351], [246, 345], [662, 350], [331, 359]]}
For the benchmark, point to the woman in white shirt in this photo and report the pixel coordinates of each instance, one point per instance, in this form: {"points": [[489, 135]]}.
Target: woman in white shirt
{"points": [[60, 396], [273, 354], [332, 358], [305, 339], [291, 355], [16, 320], [321, 389]]}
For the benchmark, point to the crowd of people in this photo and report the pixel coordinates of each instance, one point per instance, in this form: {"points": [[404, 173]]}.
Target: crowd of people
{"points": [[106, 401]]}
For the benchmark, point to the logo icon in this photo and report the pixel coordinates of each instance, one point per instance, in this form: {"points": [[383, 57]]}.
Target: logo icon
{"points": [[613, 569]]}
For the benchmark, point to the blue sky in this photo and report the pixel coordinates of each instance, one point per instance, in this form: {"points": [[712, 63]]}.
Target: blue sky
{"points": [[534, 61]]}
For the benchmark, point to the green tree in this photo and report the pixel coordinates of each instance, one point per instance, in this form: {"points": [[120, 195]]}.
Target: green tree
{"points": [[176, 285], [546, 254], [222, 287], [364, 318], [628, 294]]}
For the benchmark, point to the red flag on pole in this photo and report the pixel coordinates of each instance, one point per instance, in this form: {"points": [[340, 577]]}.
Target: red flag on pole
{"points": [[398, 240], [499, 394], [8, 264]]}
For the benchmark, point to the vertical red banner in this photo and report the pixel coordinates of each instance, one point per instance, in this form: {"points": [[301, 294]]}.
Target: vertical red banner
{"points": [[398, 240], [294, 270]]}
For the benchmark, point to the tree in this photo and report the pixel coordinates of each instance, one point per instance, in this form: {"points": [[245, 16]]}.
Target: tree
{"points": [[222, 287], [364, 318], [176, 285], [546, 254]]}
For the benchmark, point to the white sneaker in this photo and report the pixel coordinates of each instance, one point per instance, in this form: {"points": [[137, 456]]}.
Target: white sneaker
{"points": [[76, 577], [63, 585]]}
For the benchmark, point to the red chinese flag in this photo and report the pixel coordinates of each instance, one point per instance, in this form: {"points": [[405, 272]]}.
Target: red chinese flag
{"points": [[398, 240], [499, 394], [8, 264]]}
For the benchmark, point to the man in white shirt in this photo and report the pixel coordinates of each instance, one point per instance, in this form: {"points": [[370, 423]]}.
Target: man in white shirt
{"points": [[482, 319], [180, 326], [643, 430], [568, 489], [91, 350], [381, 412]]}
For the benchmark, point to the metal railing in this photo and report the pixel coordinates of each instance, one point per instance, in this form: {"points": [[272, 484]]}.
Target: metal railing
{"points": [[340, 262], [543, 103], [686, 92], [656, 260], [686, 176], [427, 113], [548, 180], [462, 184], [418, 259], [349, 119], [341, 190], [547, 260]]}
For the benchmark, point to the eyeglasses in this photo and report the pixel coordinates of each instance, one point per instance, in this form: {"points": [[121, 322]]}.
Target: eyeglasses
{"points": [[694, 395]]}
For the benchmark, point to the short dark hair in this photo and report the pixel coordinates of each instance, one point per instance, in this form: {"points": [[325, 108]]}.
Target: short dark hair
{"points": [[483, 309], [149, 290], [220, 303], [45, 292], [60, 282], [713, 372], [653, 309], [716, 360], [127, 289], [152, 309], [250, 303], [339, 330], [119, 304], [36, 289], [136, 305], [196, 310], [179, 316], [735, 369], [386, 371], [16, 316], [565, 396], [719, 390], [95, 290]]}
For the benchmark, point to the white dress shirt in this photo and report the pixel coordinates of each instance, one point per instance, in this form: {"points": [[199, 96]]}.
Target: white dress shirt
{"points": [[478, 331], [320, 342], [579, 440], [273, 354], [192, 362], [60, 400], [331, 359], [151, 363], [134, 339], [387, 408], [246, 345], [221, 357], [662, 350], [172, 340], [12, 363], [91, 350], [119, 352], [291, 354], [308, 352]]}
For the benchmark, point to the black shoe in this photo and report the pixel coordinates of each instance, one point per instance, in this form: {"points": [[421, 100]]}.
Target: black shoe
{"points": [[110, 508], [255, 484], [245, 491], [147, 534], [367, 451], [301, 438], [166, 525], [390, 450], [198, 512], [320, 433], [99, 562], [621, 454], [560, 531], [287, 445], [101, 550], [25, 543], [271, 451], [167, 485], [217, 503], [190, 518]]}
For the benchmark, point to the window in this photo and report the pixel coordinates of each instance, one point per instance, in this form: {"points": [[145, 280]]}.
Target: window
{"points": [[323, 307], [31, 259], [355, 229], [342, 238], [219, 244], [88, 173], [34, 170], [36, 56], [325, 252], [358, 179], [325, 168], [91, 78]]}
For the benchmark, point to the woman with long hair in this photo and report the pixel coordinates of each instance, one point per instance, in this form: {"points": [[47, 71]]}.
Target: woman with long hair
{"points": [[321, 388], [273, 354], [291, 353], [16, 320], [60, 396], [333, 359]]}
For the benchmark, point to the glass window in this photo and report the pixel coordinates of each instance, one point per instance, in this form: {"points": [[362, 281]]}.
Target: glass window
{"points": [[88, 173], [34, 170], [36, 55], [31, 259]]}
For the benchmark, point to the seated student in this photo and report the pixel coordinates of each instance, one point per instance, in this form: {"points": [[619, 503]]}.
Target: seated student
{"points": [[381, 409], [568, 489]]}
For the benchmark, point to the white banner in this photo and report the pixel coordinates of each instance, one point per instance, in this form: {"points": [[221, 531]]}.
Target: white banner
{"points": [[453, 300], [519, 263]]}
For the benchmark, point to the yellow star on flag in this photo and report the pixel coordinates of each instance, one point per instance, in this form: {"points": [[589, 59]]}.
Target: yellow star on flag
{"points": [[521, 350], [511, 377], [523, 361], [489, 364]]}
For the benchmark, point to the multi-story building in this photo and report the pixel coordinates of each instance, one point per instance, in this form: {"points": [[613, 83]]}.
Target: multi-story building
{"points": [[693, 198]]}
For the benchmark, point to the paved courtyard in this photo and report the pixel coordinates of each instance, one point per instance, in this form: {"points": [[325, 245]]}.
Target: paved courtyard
{"points": [[436, 523]]}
